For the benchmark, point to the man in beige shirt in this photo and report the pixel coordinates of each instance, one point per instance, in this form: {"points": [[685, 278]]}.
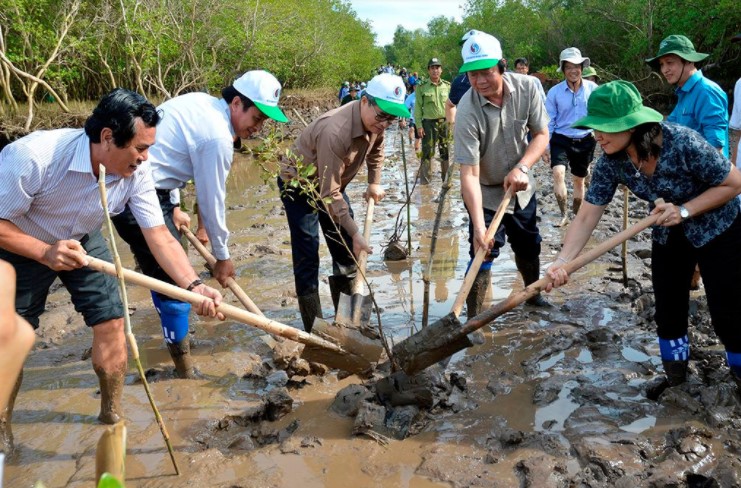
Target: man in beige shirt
{"points": [[336, 144], [493, 119]]}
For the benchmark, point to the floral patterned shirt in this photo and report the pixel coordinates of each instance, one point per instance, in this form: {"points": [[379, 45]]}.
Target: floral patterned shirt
{"points": [[687, 166]]}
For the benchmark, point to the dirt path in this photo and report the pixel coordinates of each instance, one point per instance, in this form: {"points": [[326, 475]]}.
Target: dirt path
{"points": [[553, 398]]}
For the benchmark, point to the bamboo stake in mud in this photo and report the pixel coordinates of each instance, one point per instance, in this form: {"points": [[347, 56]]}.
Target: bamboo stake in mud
{"points": [[408, 197], [433, 243], [127, 322], [624, 253]]}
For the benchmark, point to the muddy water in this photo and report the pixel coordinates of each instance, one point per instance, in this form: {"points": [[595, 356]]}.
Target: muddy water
{"points": [[554, 397]]}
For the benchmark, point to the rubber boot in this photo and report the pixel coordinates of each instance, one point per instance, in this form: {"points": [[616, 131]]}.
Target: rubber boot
{"points": [[180, 354], [576, 205], [111, 388], [475, 298], [310, 308], [339, 284], [562, 207], [444, 166], [424, 173], [676, 372], [6, 417], [530, 271]]}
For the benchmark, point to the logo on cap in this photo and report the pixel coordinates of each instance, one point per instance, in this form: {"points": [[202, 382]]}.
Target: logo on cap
{"points": [[397, 91], [475, 48], [277, 93]]}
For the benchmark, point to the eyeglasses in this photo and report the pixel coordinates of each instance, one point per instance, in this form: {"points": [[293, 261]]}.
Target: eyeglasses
{"points": [[383, 117]]}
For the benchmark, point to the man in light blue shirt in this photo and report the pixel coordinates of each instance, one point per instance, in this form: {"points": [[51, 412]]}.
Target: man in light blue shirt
{"points": [[566, 103], [702, 104]]}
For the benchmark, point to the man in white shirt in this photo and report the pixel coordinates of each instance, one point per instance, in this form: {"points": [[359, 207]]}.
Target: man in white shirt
{"points": [[50, 219], [195, 142]]}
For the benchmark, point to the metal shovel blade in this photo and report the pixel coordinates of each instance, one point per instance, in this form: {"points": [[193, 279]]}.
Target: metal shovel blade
{"points": [[354, 310]]}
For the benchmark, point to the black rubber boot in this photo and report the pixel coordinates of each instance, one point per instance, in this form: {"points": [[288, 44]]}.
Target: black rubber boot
{"points": [[6, 417], [475, 298], [530, 271], [310, 308], [180, 354], [339, 284], [676, 372]]}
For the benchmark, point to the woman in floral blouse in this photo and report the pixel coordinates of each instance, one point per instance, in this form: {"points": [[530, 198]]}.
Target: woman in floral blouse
{"points": [[698, 223]]}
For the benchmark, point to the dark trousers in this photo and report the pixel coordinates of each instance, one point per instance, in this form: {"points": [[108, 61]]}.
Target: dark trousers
{"points": [[436, 133], [574, 153], [672, 265], [94, 294], [304, 221], [521, 227], [130, 232]]}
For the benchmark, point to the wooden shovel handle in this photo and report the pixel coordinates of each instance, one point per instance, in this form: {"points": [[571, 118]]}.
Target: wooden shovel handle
{"points": [[533, 289], [229, 311], [480, 254], [357, 283], [230, 282]]}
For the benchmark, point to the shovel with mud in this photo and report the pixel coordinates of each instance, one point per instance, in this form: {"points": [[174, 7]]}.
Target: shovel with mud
{"points": [[351, 326], [448, 336], [332, 355]]}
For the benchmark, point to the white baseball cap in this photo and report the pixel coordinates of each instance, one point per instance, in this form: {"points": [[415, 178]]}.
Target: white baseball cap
{"points": [[388, 92], [573, 56], [480, 51], [264, 90]]}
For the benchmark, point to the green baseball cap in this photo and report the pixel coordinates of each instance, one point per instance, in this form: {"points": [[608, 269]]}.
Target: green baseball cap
{"points": [[616, 107], [589, 71], [679, 45]]}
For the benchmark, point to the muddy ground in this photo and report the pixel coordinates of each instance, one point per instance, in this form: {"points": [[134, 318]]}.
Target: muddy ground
{"points": [[553, 398]]}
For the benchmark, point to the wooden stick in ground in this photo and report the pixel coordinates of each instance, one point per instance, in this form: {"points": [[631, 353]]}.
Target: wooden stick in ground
{"points": [[350, 362], [118, 272], [298, 114], [624, 253], [480, 255], [433, 244], [444, 338], [408, 197]]}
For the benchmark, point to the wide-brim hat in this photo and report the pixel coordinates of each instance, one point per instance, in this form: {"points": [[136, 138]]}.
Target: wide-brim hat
{"points": [[589, 71], [388, 91], [480, 51], [573, 56], [616, 107], [264, 90], [679, 45]]}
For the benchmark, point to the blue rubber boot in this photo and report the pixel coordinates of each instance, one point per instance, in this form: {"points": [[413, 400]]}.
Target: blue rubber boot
{"points": [[174, 319]]}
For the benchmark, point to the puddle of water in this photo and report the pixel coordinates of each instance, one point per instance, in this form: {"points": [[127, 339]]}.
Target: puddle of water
{"points": [[634, 355], [547, 364], [558, 410], [585, 356], [639, 425]]}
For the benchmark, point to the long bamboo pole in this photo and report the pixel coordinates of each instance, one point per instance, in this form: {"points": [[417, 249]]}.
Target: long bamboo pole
{"points": [[127, 322]]}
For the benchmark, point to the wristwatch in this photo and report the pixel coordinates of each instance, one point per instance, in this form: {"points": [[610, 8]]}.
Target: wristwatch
{"points": [[683, 212], [523, 167]]}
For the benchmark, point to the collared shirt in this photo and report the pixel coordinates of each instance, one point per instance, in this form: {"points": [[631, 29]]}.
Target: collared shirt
{"points": [[566, 107], [195, 142], [431, 100], [687, 166], [703, 106], [48, 189], [495, 138], [338, 144]]}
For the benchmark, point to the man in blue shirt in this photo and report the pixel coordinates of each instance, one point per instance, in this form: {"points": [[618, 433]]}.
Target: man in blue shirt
{"points": [[566, 103], [702, 104]]}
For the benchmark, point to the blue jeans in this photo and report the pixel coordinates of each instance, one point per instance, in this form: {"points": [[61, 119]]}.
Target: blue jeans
{"points": [[304, 222]]}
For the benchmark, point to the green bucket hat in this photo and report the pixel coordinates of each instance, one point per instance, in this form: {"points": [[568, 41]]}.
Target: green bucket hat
{"points": [[616, 107], [679, 45], [589, 71]]}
